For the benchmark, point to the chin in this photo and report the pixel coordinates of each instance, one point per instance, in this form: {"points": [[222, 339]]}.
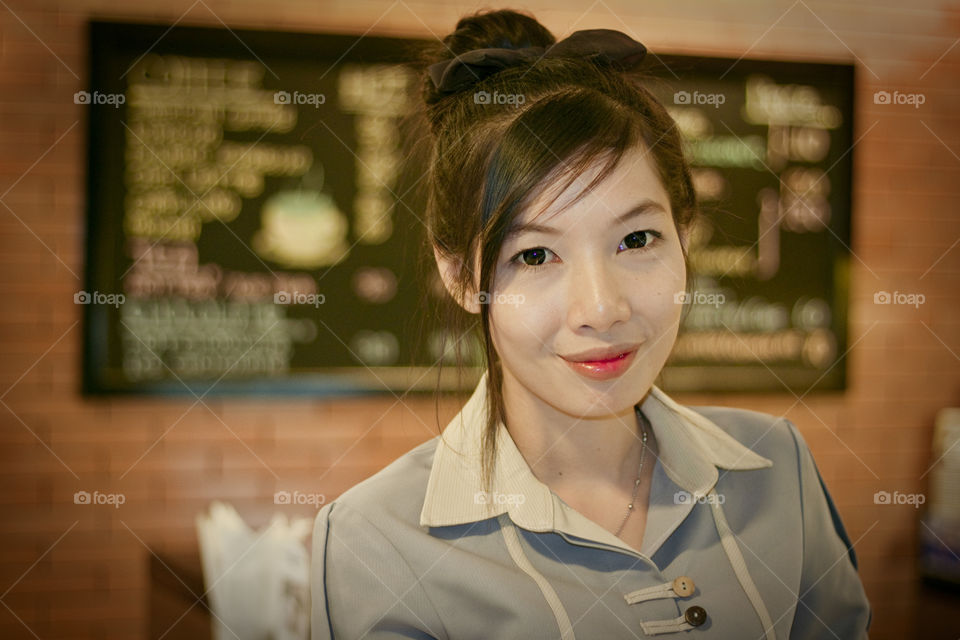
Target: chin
{"points": [[602, 398]]}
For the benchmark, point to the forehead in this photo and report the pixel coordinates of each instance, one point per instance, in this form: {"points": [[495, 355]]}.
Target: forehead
{"points": [[633, 180]]}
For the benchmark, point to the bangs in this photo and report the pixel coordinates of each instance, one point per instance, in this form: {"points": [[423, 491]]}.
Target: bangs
{"points": [[548, 147]]}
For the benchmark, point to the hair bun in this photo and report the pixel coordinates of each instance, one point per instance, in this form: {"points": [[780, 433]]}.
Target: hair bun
{"points": [[505, 29], [602, 47]]}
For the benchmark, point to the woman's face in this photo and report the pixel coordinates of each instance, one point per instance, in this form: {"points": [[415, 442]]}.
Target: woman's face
{"points": [[597, 279]]}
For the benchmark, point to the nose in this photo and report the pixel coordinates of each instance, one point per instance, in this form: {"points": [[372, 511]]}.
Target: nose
{"points": [[596, 297]]}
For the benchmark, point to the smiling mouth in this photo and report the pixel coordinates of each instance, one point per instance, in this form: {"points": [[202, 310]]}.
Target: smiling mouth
{"points": [[619, 356], [603, 355], [606, 368]]}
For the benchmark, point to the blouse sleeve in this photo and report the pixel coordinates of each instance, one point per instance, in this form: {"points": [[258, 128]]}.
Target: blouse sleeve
{"points": [[360, 585], [832, 601]]}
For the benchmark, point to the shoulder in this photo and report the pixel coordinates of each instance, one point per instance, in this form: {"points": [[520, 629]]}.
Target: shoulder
{"points": [[361, 555], [773, 437], [391, 497], [794, 468]]}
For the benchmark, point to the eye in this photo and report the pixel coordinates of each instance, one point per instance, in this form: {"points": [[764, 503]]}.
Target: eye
{"points": [[531, 258], [639, 239]]}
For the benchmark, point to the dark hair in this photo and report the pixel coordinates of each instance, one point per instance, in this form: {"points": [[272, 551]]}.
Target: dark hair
{"points": [[486, 163]]}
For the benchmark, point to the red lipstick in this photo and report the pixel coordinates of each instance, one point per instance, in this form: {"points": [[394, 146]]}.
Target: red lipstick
{"points": [[604, 368]]}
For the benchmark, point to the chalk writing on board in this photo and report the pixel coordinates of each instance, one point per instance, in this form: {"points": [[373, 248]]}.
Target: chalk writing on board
{"points": [[254, 207]]}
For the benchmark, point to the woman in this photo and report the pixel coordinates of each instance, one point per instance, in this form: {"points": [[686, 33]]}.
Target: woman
{"points": [[571, 497]]}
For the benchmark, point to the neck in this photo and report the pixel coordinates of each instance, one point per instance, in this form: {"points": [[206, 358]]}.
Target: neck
{"points": [[562, 449]]}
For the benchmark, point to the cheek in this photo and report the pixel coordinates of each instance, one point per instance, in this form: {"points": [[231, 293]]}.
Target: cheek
{"points": [[654, 295], [656, 305], [522, 324]]}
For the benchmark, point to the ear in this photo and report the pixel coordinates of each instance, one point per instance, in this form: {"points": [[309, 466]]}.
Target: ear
{"points": [[448, 273]]}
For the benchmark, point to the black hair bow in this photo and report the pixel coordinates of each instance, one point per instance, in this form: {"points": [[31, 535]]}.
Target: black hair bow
{"points": [[600, 46]]}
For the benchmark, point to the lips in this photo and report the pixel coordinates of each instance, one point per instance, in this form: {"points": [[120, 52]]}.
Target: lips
{"points": [[602, 354], [607, 363]]}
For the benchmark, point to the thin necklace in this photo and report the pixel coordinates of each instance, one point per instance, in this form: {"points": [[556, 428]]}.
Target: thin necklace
{"points": [[636, 485]]}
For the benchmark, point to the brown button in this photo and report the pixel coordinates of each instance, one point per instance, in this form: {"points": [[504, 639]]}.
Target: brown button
{"points": [[683, 586], [695, 615]]}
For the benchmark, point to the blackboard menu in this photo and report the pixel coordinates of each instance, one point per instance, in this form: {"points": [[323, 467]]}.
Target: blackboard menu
{"points": [[770, 144], [254, 223]]}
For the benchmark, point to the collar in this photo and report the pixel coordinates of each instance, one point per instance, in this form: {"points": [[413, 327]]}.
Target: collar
{"points": [[692, 447]]}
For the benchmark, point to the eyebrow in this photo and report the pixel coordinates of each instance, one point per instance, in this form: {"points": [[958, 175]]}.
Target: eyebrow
{"points": [[644, 207]]}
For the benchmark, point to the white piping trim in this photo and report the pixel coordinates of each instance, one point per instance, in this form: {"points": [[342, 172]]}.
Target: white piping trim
{"points": [[664, 590], [740, 567], [512, 540], [656, 627]]}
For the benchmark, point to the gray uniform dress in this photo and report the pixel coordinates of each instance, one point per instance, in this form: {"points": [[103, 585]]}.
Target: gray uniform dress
{"points": [[742, 542]]}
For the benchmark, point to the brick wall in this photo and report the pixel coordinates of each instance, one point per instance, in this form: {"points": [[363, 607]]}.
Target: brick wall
{"points": [[71, 571]]}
